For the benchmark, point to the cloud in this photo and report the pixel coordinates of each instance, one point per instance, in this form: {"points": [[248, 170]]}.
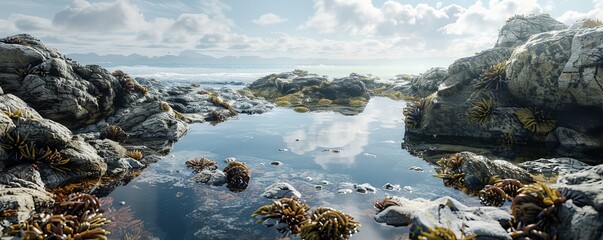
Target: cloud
{"points": [[82, 15], [571, 17], [269, 19], [30, 23]]}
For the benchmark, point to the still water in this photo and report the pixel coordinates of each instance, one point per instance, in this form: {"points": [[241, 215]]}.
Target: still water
{"points": [[369, 151]]}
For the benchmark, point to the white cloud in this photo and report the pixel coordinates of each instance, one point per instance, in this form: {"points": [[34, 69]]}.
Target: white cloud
{"points": [[30, 23], [269, 19], [82, 15], [571, 17]]}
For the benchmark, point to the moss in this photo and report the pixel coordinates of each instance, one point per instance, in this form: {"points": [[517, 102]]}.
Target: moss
{"points": [[324, 102], [294, 98], [283, 103], [357, 102], [301, 109], [481, 112], [591, 23]]}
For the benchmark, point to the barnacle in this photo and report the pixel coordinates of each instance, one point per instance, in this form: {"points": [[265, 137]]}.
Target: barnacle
{"points": [[136, 154], [509, 186], [481, 112], [328, 223], [492, 78], [115, 133], [536, 121], [387, 202], [199, 164], [290, 211], [492, 195], [237, 176], [442, 233]]}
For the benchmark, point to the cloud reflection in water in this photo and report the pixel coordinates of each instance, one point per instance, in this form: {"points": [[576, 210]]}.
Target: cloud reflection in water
{"points": [[350, 134]]}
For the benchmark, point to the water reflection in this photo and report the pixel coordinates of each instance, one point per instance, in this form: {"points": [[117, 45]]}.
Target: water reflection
{"points": [[342, 139]]}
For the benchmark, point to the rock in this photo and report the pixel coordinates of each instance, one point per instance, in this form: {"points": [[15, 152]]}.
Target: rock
{"points": [[535, 68], [408, 188], [365, 188], [342, 88], [391, 187], [22, 189], [553, 166], [210, 177], [345, 191], [428, 82], [84, 162], [478, 169], [583, 221], [276, 85], [518, 29], [448, 213], [1, 91], [276, 163], [110, 151], [416, 169], [22, 176], [281, 190], [44, 132], [581, 78]]}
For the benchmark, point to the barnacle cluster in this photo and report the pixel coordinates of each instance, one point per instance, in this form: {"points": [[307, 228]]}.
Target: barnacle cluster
{"points": [[499, 192], [442, 233], [237, 176], [115, 133], [136, 154], [536, 121], [536, 210], [289, 211], [78, 217], [328, 223], [387, 202], [492, 78], [481, 112], [199, 164], [413, 113], [19, 149]]}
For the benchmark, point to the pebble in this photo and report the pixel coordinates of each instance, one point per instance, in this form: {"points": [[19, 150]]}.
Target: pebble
{"points": [[297, 139], [344, 191], [283, 150], [416, 169], [318, 187], [369, 155], [308, 178], [364, 188], [325, 182], [276, 163], [408, 188], [230, 159], [391, 187], [179, 194], [332, 150], [122, 203]]}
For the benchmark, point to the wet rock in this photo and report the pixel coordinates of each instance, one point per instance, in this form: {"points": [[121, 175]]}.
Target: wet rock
{"points": [[520, 28], [583, 187], [281, 190], [345, 191], [276, 163], [428, 82], [365, 188], [210, 177], [391, 187], [408, 188], [84, 162], [325, 182], [318, 187], [276, 85], [22, 190], [109, 150], [479, 169], [448, 213], [553, 166], [416, 169]]}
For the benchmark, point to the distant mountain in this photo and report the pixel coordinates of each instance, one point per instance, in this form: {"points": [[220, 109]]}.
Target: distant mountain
{"points": [[190, 58]]}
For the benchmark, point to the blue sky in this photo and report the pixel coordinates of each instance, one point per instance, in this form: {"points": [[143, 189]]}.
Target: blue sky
{"points": [[336, 29]]}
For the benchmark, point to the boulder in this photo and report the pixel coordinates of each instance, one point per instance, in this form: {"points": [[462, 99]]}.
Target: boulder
{"points": [[519, 28], [280, 190], [277, 85], [446, 212], [583, 221], [343, 88], [428, 82], [553, 166], [534, 69], [22, 190]]}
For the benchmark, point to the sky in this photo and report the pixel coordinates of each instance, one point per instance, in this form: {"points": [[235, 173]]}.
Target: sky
{"points": [[334, 29]]}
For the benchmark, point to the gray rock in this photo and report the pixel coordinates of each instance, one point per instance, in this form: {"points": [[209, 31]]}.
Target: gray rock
{"points": [[1, 91], [535, 68], [519, 29], [84, 162], [448, 213], [365, 188], [23, 201], [109, 150], [22, 176], [553, 166], [583, 221], [276, 85], [342, 88], [134, 164], [428, 82], [281, 190], [44, 132], [210, 177]]}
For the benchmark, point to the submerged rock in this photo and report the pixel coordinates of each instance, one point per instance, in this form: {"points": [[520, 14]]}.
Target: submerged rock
{"points": [[553, 166], [210, 177], [281, 190]]}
